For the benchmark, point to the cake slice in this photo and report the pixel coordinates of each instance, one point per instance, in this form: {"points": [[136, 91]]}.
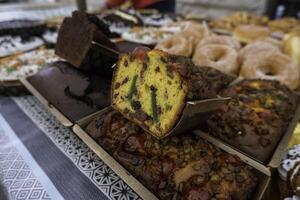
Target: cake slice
{"points": [[151, 88]]}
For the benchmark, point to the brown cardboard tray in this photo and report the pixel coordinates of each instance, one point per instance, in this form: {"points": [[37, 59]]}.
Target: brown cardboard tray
{"points": [[63, 119], [139, 188], [278, 153]]}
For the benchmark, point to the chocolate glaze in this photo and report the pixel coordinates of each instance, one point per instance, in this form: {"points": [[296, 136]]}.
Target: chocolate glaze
{"points": [[72, 92]]}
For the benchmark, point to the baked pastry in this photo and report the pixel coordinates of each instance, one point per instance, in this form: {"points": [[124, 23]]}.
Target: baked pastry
{"points": [[73, 93], [291, 46], [248, 33], [283, 25], [74, 43], [177, 167], [271, 66], [151, 88], [221, 39], [238, 18], [255, 118], [218, 56], [178, 44], [25, 64], [187, 36], [260, 47]]}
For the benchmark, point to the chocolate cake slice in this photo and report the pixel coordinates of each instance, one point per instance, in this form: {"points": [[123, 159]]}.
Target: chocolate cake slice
{"points": [[73, 93], [151, 88], [76, 39]]}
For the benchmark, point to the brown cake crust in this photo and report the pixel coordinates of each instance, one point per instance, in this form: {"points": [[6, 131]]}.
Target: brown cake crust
{"points": [[177, 167], [255, 118]]}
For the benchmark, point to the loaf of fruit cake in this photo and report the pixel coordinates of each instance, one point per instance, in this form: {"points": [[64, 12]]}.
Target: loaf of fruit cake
{"points": [[177, 167], [255, 118], [151, 87]]}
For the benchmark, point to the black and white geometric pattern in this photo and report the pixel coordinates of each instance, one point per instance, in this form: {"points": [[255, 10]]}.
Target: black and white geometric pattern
{"points": [[84, 158], [16, 175]]}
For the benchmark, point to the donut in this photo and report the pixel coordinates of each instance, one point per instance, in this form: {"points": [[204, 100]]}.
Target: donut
{"points": [[271, 66], [196, 32], [248, 33], [176, 45], [221, 39], [256, 48], [221, 57], [270, 40]]}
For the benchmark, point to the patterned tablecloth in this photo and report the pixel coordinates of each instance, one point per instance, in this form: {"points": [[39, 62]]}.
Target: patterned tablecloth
{"points": [[41, 159]]}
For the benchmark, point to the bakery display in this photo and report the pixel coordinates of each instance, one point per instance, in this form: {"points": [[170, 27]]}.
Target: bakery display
{"points": [[178, 167], [151, 87], [255, 118], [73, 93], [25, 64], [161, 75]]}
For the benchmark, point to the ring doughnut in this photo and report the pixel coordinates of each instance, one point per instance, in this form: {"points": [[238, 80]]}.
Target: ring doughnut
{"points": [[249, 33], [176, 45], [221, 39], [273, 41], [256, 48], [196, 32], [271, 66], [221, 57]]}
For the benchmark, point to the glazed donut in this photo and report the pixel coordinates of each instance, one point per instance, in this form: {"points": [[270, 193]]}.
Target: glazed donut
{"points": [[196, 32], [176, 45], [270, 40], [248, 33], [221, 57], [256, 48], [221, 39], [271, 66]]}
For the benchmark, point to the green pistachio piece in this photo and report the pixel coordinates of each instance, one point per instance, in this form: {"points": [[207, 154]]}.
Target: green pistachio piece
{"points": [[154, 106], [132, 89]]}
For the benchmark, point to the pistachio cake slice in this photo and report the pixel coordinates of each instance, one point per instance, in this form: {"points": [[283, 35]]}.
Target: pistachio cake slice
{"points": [[150, 90]]}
